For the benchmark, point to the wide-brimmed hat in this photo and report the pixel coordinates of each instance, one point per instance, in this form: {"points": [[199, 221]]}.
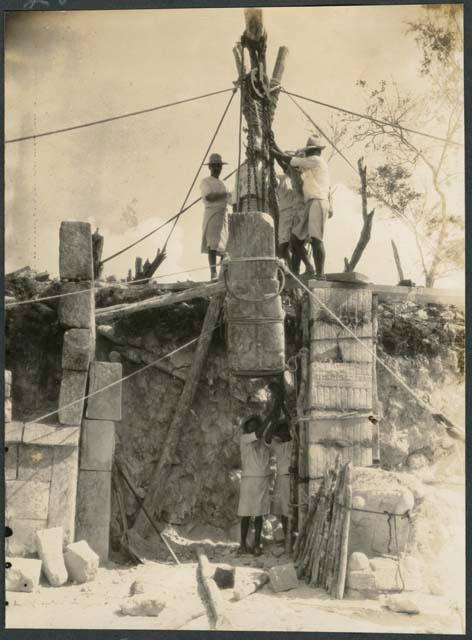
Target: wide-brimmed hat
{"points": [[313, 143], [251, 418], [215, 158]]}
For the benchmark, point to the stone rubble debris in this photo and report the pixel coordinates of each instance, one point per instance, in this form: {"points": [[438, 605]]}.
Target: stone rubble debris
{"points": [[49, 544], [81, 562]]}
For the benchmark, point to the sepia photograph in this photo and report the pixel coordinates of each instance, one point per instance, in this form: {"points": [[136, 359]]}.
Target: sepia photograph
{"points": [[234, 306]]}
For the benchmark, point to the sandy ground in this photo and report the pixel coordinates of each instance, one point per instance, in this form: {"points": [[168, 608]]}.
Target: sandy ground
{"points": [[96, 605]]}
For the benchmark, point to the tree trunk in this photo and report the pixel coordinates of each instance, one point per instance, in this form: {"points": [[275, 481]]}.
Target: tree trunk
{"points": [[350, 265]]}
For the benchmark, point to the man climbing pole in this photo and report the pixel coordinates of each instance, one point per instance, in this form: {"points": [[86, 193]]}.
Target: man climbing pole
{"points": [[215, 219], [291, 208], [316, 188]]}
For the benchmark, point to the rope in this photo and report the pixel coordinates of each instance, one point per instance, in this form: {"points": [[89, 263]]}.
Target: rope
{"points": [[168, 221], [201, 165], [111, 119], [75, 293], [399, 379], [241, 89], [123, 379], [376, 120], [374, 193]]}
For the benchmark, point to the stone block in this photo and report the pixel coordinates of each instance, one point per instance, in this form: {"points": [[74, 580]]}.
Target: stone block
{"points": [[361, 580], [97, 446], [81, 562], [62, 499], [75, 251], [403, 604], [224, 576], [97, 536], [94, 498], [51, 435], [358, 562], [77, 309], [49, 542], [412, 573], [370, 532], [7, 409], [386, 574], [11, 462], [78, 349], [142, 606], [105, 405], [7, 385], [73, 386], [23, 540], [283, 577], [14, 432], [23, 575], [35, 463], [27, 499]]}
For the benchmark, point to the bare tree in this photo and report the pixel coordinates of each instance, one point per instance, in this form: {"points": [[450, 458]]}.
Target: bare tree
{"points": [[409, 160]]}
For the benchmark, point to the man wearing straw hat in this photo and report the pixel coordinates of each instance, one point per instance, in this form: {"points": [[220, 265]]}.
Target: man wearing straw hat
{"points": [[316, 188], [215, 218]]}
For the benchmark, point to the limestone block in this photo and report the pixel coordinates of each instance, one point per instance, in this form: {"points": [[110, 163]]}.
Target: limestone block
{"points": [[14, 432], [27, 499], [78, 309], [97, 536], [358, 562], [11, 462], [73, 386], [7, 385], [361, 580], [97, 446], [77, 350], [224, 576], [75, 251], [142, 606], [49, 434], [370, 532], [283, 577], [62, 499], [50, 551], [387, 577], [105, 405], [23, 575], [94, 497], [7, 409], [35, 463], [403, 603], [412, 573], [23, 540], [81, 562]]}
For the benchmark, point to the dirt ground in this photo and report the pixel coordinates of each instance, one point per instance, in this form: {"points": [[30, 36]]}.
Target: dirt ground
{"points": [[96, 605]]}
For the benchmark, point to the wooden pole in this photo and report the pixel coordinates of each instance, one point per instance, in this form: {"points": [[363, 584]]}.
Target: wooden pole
{"points": [[396, 255], [216, 602], [341, 580], [157, 485]]}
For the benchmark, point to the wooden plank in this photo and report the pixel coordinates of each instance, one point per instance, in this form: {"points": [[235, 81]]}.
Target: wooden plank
{"points": [[160, 473], [156, 302], [389, 293]]}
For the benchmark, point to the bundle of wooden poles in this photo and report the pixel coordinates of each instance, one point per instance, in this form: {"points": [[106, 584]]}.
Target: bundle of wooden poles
{"points": [[321, 550]]}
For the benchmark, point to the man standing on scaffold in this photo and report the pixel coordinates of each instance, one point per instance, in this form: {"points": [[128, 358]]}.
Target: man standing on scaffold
{"points": [[215, 218]]}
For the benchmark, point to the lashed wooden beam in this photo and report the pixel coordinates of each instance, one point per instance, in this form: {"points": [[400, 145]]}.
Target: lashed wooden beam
{"points": [[122, 310]]}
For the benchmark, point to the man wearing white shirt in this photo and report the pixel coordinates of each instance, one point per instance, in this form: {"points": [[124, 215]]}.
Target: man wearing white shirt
{"points": [[316, 188]]}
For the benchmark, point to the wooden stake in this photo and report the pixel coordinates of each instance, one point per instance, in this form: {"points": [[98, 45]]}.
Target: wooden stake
{"points": [[396, 255], [156, 491], [341, 580]]}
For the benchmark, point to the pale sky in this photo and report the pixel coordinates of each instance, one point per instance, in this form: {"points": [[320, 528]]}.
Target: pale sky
{"points": [[128, 176]]}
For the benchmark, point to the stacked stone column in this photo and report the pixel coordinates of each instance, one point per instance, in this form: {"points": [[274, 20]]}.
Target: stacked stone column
{"points": [[81, 375]]}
